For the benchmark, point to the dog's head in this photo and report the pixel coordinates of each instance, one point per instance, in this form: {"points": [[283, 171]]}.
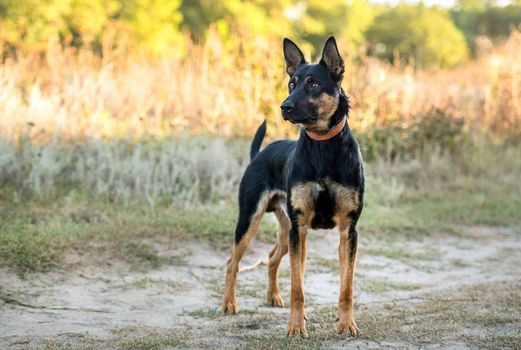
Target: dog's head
{"points": [[316, 99]]}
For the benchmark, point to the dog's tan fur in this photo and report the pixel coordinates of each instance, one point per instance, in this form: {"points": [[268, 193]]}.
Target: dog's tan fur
{"points": [[279, 250], [297, 316], [347, 259], [317, 102], [229, 303], [303, 198], [326, 106]]}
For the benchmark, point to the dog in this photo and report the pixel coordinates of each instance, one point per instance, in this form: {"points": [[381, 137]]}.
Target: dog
{"points": [[316, 182]]}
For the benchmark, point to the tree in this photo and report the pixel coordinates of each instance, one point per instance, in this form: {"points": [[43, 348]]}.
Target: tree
{"points": [[482, 19], [29, 24], [359, 18], [423, 36], [319, 19], [235, 18], [155, 24]]}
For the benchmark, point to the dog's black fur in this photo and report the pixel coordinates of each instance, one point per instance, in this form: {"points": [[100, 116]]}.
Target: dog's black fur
{"points": [[283, 164], [316, 101]]}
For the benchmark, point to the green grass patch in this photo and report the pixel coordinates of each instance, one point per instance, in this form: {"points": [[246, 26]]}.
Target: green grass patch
{"points": [[382, 286], [152, 342], [399, 253], [404, 199]]}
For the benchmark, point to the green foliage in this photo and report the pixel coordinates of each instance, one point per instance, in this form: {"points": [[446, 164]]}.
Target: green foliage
{"points": [[424, 36], [495, 23], [30, 24], [85, 22], [317, 20], [236, 19], [419, 35], [154, 23], [360, 16]]}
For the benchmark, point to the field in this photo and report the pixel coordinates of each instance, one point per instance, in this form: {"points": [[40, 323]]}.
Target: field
{"points": [[117, 204]]}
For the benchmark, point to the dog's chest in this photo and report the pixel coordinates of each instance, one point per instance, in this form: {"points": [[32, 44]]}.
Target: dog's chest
{"points": [[324, 204]]}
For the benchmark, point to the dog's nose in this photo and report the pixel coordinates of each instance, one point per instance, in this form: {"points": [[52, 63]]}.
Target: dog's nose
{"points": [[287, 106]]}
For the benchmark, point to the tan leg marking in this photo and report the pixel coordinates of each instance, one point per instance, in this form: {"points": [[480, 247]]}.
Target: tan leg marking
{"points": [[229, 303], [297, 322], [347, 258], [304, 251], [279, 250]]}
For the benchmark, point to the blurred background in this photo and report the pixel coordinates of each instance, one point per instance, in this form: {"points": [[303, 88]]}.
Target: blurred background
{"points": [[117, 69], [151, 104]]}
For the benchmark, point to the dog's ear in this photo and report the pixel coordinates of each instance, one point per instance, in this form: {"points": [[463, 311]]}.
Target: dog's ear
{"points": [[332, 61], [293, 56]]}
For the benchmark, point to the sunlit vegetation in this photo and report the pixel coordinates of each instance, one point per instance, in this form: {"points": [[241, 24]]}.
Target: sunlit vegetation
{"points": [[118, 114]]}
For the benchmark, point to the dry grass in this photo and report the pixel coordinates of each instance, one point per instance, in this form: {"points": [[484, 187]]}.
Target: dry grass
{"points": [[228, 91], [182, 172], [80, 135], [122, 128]]}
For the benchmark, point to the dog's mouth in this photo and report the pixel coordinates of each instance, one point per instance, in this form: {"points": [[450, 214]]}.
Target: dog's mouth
{"points": [[304, 122]]}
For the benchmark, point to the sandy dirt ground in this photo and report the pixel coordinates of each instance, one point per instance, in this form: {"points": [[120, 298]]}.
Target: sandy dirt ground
{"points": [[436, 292]]}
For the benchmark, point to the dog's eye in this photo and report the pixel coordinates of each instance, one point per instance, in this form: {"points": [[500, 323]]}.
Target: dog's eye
{"points": [[314, 85], [291, 85]]}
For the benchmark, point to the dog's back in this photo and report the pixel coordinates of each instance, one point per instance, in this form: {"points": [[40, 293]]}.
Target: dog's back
{"points": [[316, 182], [263, 183]]}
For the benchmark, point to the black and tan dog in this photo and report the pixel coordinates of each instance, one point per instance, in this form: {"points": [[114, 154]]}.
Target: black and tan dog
{"points": [[316, 182]]}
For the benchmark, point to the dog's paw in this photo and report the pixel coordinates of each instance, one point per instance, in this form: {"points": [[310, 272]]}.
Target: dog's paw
{"points": [[229, 307], [348, 324], [275, 299], [296, 326]]}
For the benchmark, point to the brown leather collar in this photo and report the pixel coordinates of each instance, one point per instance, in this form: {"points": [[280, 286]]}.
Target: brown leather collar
{"points": [[335, 130]]}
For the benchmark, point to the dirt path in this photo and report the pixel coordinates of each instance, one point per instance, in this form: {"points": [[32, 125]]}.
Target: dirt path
{"points": [[437, 292]]}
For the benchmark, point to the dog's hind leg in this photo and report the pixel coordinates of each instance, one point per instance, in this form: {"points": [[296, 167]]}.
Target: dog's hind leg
{"points": [[246, 229], [279, 250]]}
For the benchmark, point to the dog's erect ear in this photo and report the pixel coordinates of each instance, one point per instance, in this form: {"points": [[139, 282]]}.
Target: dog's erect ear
{"points": [[332, 61], [293, 56]]}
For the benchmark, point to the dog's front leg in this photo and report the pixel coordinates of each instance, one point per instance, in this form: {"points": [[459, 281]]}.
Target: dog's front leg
{"points": [[297, 253], [347, 249]]}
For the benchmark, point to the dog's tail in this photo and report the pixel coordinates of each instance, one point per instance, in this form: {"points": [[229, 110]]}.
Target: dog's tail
{"points": [[257, 140]]}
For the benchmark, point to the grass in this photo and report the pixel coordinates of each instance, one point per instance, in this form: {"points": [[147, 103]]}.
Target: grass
{"points": [[399, 253], [224, 90], [382, 286], [210, 313], [485, 308], [474, 315], [129, 338], [479, 315], [152, 342], [215, 313], [36, 236], [406, 199], [417, 197]]}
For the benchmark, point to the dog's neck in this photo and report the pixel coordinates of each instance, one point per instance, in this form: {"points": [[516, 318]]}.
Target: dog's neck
{"points": [[335, 130], [337, 123]]}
